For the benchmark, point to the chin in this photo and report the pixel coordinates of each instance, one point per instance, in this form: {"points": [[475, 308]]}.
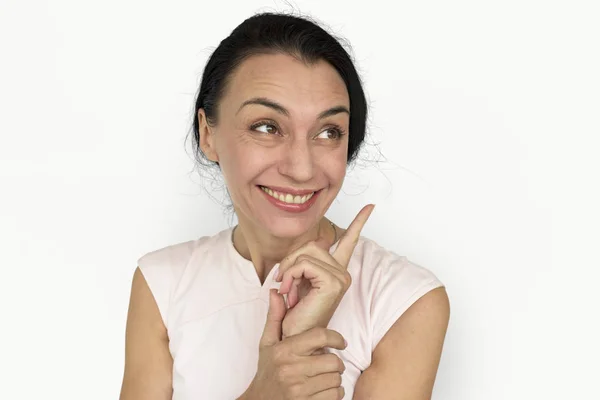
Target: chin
{"points": [[289, 227]]}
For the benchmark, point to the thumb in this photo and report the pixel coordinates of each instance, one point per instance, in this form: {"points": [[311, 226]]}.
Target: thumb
{"points": [[272, 332]]}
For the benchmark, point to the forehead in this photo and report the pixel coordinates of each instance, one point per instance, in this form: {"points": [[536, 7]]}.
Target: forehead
{"points": [[285, 79]]}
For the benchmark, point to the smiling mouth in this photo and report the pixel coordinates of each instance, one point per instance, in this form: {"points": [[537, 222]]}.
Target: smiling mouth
{"points": [[286, 197]]}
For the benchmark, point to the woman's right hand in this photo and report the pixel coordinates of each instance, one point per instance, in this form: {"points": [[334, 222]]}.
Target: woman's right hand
{"points": [[288, 369]]}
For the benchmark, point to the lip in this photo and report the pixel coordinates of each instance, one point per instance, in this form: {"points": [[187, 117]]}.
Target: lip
{"points": [[293, 208], [294, 192]]}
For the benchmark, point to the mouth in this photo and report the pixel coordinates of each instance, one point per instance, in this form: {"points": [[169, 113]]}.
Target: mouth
{"points": [[301, 197]]}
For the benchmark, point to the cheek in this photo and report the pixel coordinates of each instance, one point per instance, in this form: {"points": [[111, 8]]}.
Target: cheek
{"points": [[334, 167], [230, 150], [239, 160], [338, 172]]}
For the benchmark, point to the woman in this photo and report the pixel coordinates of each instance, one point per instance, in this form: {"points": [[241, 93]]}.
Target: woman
{"points": [[281, 112]]}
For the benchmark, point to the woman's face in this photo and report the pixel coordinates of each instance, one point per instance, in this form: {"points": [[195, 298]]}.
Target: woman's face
{"points": [[282, 131]]}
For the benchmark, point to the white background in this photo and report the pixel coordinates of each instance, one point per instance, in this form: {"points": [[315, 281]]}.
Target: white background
{"points": [[487, 116]]}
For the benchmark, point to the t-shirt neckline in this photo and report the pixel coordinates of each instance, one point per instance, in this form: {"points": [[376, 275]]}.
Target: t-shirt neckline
{"points": [[248, 266]]}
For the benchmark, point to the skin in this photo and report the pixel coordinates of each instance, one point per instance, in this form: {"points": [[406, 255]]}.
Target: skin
{"points": [[296, 149], [299, 154]]}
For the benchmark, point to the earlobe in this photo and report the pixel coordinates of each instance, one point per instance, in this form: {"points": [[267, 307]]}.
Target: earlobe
{"points": [[206, 139]]}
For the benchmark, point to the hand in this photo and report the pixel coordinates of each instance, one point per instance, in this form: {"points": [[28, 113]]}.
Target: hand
{"points": [[286, 368], [316, 281]]}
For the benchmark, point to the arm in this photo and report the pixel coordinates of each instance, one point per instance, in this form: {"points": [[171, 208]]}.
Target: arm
{"points": [[406, 359], [148, 362]]}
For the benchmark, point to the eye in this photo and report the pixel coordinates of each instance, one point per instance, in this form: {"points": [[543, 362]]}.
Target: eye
{"points": [[264, 127], [331, 133]]}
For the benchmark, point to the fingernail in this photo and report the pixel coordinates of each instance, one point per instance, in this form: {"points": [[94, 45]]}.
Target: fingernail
{"points": [[345, 343], [275, 274]]}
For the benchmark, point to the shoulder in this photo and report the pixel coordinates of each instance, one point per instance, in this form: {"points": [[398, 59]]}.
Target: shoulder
{"points": [[177, 255], [390, 283], [170, 254], [374, 263], [164, 267]]}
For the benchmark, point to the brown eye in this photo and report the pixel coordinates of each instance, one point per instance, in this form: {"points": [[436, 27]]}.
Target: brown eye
{"points": [[331, 133], [265, 128]]}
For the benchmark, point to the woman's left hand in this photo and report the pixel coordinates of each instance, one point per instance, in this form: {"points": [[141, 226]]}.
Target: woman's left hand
{"points": [[315, 281]]}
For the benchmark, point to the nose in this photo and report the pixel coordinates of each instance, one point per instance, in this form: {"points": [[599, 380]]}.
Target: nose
{"points": [[297, 160]]}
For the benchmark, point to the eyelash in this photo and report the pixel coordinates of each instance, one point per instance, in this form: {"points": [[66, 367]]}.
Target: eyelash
{"points": [[337, 129]]}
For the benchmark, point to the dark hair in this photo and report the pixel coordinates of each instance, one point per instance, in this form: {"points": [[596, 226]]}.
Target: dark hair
{"points": [[267, 33]]}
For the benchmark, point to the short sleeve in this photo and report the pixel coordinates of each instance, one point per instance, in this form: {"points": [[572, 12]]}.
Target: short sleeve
{"points": [[398, 284], [162, 270]]}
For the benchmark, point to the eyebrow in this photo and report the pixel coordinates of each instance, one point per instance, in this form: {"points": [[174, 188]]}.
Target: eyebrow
{"points": [[263, 101]]}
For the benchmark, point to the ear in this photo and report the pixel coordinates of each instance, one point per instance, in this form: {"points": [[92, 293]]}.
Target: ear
{"points": [[207, 139]]}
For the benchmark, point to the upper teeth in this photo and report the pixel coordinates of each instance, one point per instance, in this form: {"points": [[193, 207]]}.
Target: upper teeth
{"points": [[287, 198]]}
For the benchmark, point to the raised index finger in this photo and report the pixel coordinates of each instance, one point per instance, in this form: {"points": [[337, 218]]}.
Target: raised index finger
{"points": [[349, 239]]}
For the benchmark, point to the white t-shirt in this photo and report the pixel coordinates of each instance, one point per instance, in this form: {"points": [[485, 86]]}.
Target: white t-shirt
{"points": [[214, 307]]}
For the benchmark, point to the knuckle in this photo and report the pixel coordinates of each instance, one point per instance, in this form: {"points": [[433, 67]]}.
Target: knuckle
{"points": [[347, 280], [304, 261], [334, 362], [296, 391], [341, 365], [312, 245], [336, 380], [301, 259], [331, 359]]}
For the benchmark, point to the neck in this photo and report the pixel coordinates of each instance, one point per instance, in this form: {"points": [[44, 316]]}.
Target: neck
{"points": [[265, 250]]}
